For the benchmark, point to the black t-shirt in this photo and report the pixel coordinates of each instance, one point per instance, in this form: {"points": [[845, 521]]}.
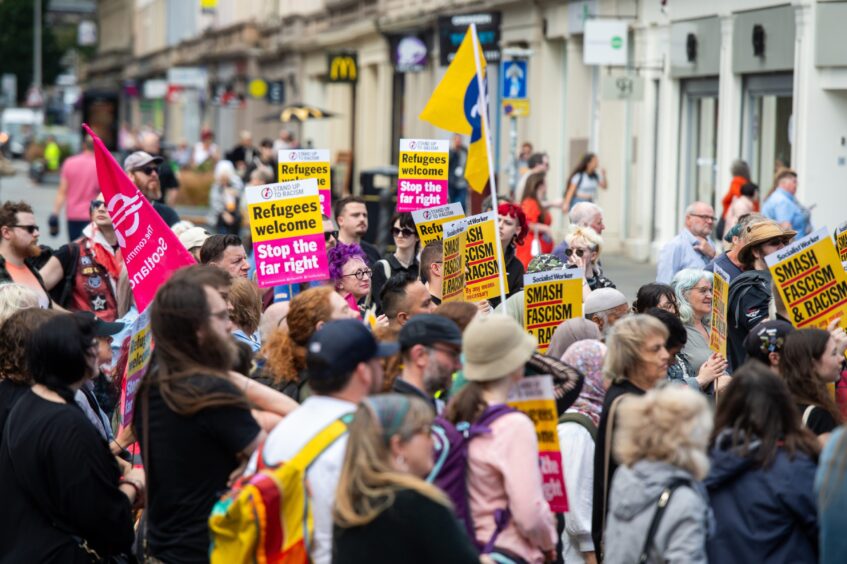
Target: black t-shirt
{"points": [[749, 299], [10, 393], [413, 529], [190, 460], [820, 421], [58, 480], [371, 253], [167, 213]]}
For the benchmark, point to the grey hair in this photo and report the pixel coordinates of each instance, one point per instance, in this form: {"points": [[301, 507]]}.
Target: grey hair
{"points": [[583, 212], [682, 283], [740, 168]]}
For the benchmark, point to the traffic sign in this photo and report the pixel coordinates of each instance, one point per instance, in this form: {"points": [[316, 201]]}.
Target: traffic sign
{"points": [[514, 79]]}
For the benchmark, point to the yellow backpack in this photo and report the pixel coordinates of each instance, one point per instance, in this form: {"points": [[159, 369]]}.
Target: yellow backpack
{"points": [[267, 517]]}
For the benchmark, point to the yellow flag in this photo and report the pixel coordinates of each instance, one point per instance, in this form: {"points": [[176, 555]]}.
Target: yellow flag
{"points": [[454, 106]]}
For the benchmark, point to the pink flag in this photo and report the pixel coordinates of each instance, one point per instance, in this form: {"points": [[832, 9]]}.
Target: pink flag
{"points": [[150, 249]]}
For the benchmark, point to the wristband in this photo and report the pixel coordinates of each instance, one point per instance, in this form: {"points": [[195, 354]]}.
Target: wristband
{"points": [[139, 489]]}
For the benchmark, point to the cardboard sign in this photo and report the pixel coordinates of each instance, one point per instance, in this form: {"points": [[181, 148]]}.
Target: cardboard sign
{"points": [[452, 274], [288, 239], [811, 281], [549, 299], [422, 174], [841, 241], [140, 351], [479, 257], [720, 301], [301, 164], [430, 222], [534, 397], [150, 249]]}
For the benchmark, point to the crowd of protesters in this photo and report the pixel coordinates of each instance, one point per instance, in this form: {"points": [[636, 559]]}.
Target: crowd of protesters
{"points": [[671, 453]]}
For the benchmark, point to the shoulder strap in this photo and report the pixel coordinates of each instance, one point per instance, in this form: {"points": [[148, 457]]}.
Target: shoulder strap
{"points": [[664, 499], [607, 456], [320, 442], [582, 420], [806, 414], [386, 268]]}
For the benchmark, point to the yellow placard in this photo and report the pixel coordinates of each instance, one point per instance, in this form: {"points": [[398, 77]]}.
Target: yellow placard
{"points": [[720, 301], [479, 257], [430, 222], [550, 298], [811, 281], [294, 217], [841, 242], [452, 274], [300, 164]]}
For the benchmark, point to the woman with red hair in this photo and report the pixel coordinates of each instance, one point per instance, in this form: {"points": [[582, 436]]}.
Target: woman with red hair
{"points": [[513, 230]]}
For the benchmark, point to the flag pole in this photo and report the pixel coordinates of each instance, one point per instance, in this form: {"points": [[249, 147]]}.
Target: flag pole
{"points": [[482, 104]]}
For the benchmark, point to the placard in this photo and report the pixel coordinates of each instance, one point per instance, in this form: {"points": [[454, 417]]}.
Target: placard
{"points": [[479, 257], [430, 222], [287, 229], [140, 351], [841, 241], [534, 397], [720, 302], [422, 174], [300, 164], [551, 298], [452, 274], [811, 281]]}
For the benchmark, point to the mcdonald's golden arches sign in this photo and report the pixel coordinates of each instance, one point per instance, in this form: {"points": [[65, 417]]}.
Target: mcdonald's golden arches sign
{"points": [[343, 67]]}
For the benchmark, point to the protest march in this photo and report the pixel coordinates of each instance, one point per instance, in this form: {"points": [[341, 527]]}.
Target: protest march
{"points": [[309, 376]]}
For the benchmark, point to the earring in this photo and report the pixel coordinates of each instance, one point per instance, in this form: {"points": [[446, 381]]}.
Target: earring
{"points": [[400, 463]]}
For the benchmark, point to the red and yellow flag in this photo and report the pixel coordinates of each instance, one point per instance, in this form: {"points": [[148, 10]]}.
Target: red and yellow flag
{"points": [[454, 106]]}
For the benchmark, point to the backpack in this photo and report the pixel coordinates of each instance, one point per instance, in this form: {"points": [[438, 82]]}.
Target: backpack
{"points": [[449, 472], [582, 420], [267, 517]]}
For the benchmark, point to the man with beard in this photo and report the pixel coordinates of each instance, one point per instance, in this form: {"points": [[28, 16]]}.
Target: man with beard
{"points": [[18, 246], [343, 366], [351, 215], [143, 169], [83, 275], [431, 346], [193, 423]]}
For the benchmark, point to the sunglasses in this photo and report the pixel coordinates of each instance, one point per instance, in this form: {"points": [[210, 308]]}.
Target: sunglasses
{"points": [[148, 170], [405, 231], [360, 274], [28, 228], [95, 204], [571, 252], [330, 235]]}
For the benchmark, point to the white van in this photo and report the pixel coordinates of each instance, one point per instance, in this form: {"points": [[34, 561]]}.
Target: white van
{"points": [[21, 124]]}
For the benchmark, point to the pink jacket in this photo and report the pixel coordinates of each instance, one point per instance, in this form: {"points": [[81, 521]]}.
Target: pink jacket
{"points": [[503, 472]]}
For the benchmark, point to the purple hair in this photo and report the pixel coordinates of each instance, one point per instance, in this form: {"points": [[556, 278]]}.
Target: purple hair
{"points": [[339, 255]]}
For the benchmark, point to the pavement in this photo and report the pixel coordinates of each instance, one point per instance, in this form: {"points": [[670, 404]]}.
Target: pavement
{"points": [[627, 274]]}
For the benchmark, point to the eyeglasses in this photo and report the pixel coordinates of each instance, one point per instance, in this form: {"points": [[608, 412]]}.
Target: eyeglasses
{"points": [[570, 252], [330, 234], [149, 170], [404, 231], [222, 315], [704, 217], [95, 204], [29, 228], [360, 274], [454, 353]]}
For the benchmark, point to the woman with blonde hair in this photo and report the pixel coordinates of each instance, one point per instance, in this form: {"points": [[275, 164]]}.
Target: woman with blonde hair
{"points": [[659, 510], [584, 245], [384, 510], [636, 361], [15, 297], [282, 360]]}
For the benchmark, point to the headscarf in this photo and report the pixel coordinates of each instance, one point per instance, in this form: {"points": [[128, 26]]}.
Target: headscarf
{"points": [[569, 332], [587, 356]]}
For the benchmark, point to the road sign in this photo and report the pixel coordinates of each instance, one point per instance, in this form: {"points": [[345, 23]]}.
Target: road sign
{"points": [[514, 79]]}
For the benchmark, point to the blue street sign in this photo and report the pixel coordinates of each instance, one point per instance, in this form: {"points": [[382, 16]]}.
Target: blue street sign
{"points": [[514, 79]]}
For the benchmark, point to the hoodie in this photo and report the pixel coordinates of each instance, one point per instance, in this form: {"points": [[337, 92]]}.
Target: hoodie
{"points": [[681, 535], [762, 514]]}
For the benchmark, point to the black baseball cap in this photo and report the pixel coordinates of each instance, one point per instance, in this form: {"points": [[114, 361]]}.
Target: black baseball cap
{"points": [[339, 346], [767, 337], [427, 329], [101, 328]]}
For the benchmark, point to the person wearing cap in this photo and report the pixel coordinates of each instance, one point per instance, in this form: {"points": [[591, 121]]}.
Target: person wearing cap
{"points": [[693, 247], [192, 239], [604, 307], [728, 260], [766, 340], [143, 169], [343, 368], [83, 274], [503, 468], [750, 293], [431, 347]]}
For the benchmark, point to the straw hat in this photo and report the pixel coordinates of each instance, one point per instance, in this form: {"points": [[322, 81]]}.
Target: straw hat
{"points": [[761, 232], [495, 346]]}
